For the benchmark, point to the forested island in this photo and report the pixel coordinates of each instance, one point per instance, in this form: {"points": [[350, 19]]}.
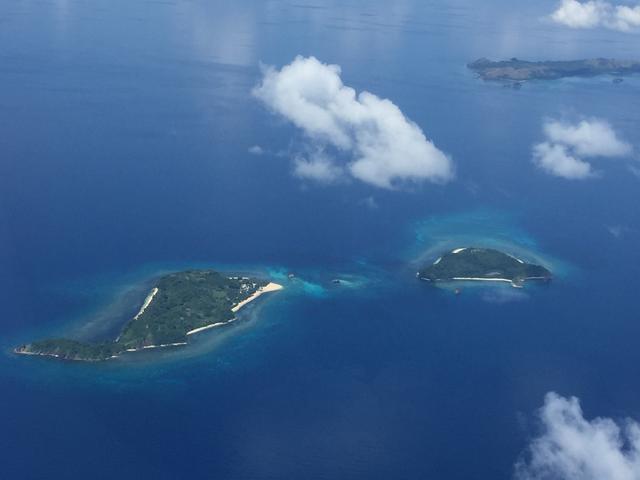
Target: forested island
{"points": [[482, 264], [179, 305], [520, 70]]}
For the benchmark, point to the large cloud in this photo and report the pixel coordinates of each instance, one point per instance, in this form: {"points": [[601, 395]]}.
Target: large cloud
{"points": [[571, 447], [381, 145], [597, 13], [567, 144]]}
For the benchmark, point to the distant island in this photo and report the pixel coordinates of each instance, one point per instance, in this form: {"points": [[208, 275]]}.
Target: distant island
{"points": [[482, 264], [181, 304], [520, 70]]}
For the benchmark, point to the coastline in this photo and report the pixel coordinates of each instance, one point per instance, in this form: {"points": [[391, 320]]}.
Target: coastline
{"points": [[145, 305], [116, 353], [269, 287], [207, 327], [514, 283], [516, 277], [162, 345], [54, 355], [147, 302], [480, 279], [462, 249]]}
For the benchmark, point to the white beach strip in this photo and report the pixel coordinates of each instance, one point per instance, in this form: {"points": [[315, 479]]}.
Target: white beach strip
{"points": [[481, 279], [213, 325], [514, 283], [515, 258], [37, 354], [147, 302], [458, 250], [162, 345], [270, 287]]}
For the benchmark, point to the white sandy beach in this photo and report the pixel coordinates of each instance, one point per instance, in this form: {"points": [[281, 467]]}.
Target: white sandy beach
{"points": [[162, 345], [515, 258], [270, 287], [462, 249], [213, 325], [147, 302], [516, 284], [481, 279]]}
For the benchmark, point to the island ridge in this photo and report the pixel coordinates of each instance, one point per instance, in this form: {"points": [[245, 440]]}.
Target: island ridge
{"points": [[180, 304], [520, 70], [482, 264]]}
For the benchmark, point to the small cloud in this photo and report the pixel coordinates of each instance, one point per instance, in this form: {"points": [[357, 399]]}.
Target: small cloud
{"points": [[571, 447], [566, 146], [593, 138], [618, 231], [256, 150], [319, 168], [575, 14], [615, 230], [555, 159], [597, 13], [381, 146], [369, 202]]}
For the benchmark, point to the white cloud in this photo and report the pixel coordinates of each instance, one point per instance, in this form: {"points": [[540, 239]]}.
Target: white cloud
{"points": [[627, 18], [594, 138], [382, 146], [256, 150], [369, 202], [556, 160], [635, 170], [571, 447], [317, 167], [579, 15], [617, 231], [597, 13], [567, 144]]}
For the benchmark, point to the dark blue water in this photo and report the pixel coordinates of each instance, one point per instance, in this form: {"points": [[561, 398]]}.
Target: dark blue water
{"points": [[124, 136]]}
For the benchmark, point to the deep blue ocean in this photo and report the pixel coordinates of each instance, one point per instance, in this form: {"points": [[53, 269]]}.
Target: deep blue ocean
{"points": [[124, 135]]}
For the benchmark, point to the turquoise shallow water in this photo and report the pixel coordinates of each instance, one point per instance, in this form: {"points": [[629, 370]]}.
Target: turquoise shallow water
{"points": [[332, 380], [482, 228]]}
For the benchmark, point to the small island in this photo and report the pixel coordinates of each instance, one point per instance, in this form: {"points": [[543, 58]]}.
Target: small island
{"points": [[483, 264], [179, 305], [520, 70]]}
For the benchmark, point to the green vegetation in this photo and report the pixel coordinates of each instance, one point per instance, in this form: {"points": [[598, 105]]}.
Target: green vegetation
{"points": [[482, 264], [184, 301], [71, 349], [520, 70]]}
